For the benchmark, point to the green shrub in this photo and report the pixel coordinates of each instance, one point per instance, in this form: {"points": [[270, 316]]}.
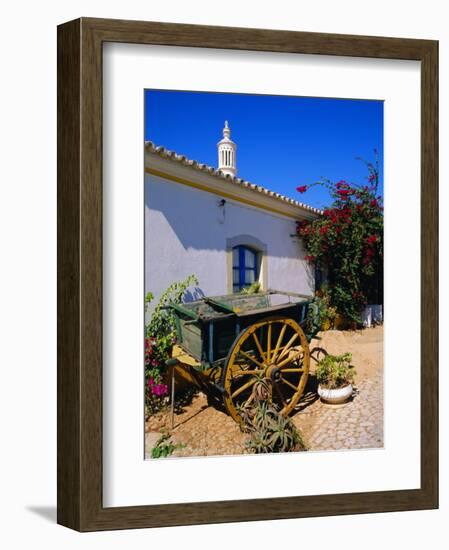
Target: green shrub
{"points": [[335, 371], [254, 288], [347, 241], [160, 336], [164, 447], [320, 315]]}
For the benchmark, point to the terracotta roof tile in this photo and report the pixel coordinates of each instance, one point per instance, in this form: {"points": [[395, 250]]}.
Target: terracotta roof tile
{"points": [[165, 153]]}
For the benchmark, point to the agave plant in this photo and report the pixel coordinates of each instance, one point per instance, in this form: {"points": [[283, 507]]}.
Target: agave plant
{"points": [[272, 433], [269, 431]]}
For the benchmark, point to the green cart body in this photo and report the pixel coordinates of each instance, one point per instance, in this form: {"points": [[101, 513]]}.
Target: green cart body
{"points": [[209, 329]]}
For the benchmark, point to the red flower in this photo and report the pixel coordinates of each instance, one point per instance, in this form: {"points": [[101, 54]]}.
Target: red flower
{"points": [[373, 203], [371, 239], [341, 183], [344, 193], [301, 189], [323, 229], [372, 178], [302, 225], [309, 258]]}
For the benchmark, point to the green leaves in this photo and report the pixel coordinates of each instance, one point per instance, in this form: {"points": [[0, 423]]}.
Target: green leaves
{"points": [[270, 432], [335, 371], [348, 242], [252, 289], [148, 299], [164, 447], [162, 323], [320, 311], [160, 334]]}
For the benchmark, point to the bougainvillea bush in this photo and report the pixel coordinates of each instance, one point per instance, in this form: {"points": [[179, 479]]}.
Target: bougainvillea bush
{"points": [[160, 336], [346, 242]]}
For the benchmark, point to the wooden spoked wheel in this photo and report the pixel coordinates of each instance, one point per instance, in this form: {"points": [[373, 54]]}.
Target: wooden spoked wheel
{"points": [[274, 351]]}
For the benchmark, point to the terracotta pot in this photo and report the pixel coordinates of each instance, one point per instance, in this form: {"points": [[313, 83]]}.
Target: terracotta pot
{"points": [[339, 322]]}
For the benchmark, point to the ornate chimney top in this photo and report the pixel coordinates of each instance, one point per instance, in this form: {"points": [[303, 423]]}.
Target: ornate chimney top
{"points": [[227, 152]]}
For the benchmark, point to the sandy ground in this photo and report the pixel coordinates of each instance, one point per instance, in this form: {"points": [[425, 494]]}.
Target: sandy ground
{"points": [[203, 430], [365, 345]]}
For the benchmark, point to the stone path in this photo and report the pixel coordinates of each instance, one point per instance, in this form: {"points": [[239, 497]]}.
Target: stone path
{"points": [[356, 425]]}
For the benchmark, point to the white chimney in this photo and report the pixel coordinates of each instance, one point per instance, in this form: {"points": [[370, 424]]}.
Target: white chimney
{"points": [[227, 153]]}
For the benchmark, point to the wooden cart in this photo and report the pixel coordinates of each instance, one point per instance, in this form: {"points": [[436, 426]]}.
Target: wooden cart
{"points": [[226, 343]]}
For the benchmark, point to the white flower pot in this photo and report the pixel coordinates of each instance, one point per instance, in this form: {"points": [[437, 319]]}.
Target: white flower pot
{"points": [[366, 315], [377, 314], [335, 396], [371, 315]]}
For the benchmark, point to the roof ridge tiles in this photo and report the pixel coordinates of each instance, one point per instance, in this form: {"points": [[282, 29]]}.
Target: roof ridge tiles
{"points": [[182, 159]]}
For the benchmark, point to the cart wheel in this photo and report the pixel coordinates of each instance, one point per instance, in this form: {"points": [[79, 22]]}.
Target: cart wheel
{"points": [[274, 350]]}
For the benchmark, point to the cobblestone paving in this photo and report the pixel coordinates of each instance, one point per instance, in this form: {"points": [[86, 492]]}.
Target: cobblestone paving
{"points": [[357, 424]]}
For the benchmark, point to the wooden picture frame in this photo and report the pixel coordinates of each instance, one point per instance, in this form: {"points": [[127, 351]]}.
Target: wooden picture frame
{"points": [[80, 504]]}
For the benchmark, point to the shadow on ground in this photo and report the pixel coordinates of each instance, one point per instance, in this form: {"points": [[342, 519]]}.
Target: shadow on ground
{"points": [[46, 512]]}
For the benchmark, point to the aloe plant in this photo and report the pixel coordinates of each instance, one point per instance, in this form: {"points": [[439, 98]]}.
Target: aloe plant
{"points": [[269, 431], [272, 433]]}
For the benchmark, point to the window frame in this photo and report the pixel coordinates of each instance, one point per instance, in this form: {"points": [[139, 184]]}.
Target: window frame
{"points": [[243, 268]]}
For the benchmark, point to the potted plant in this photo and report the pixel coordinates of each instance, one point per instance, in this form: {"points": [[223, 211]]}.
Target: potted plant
{"points": [[335, 376]]}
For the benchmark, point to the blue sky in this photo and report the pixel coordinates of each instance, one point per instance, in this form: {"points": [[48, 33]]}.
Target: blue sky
{"points": [[282, 141]]}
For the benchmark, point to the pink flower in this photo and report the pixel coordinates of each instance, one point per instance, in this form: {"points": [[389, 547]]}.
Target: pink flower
{"points": [[148, 344], [159, 390]]}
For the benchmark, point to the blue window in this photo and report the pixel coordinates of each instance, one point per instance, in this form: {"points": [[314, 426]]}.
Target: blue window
{"points": [[245, 268]]}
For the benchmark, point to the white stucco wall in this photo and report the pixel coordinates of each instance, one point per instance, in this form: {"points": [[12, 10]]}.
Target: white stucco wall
{"points": [[186, 232]]}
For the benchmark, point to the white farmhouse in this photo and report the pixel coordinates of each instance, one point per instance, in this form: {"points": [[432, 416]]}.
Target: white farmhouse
{"points": [[227, 231]]}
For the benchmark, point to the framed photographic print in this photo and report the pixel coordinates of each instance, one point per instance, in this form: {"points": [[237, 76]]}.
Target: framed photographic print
{"points": [[247, 258]]}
